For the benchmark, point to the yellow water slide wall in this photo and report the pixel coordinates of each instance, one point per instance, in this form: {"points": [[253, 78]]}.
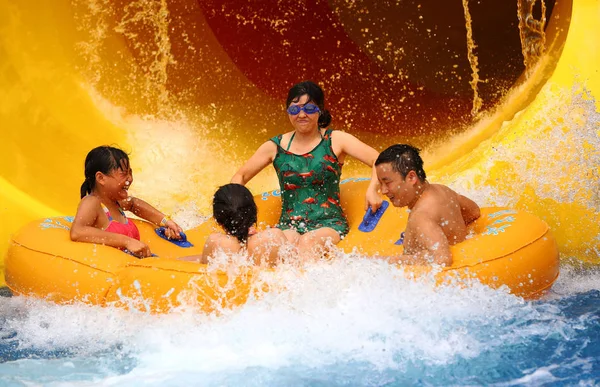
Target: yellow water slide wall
{"points": [[546, 157], [73, 75]]}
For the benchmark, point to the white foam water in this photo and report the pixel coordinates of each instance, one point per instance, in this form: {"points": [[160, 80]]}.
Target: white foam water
{"points": [[345, 320]]}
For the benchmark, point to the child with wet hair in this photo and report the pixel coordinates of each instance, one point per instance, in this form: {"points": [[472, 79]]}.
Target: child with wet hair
{"points": [[101, 218], [235, 211]]}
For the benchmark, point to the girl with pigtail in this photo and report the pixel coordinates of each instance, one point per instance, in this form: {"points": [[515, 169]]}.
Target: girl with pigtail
{"points": [[105, 197]]}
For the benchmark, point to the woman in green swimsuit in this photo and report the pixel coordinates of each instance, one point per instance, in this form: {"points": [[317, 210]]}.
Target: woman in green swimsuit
{"points": [[308, 162]]}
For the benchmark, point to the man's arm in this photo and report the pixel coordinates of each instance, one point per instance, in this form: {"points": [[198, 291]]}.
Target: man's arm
{"points": [[431, 244], [469, 209]]}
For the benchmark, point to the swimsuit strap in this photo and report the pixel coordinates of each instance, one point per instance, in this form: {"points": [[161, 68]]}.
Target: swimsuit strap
{"points": [[290, 143], [294, 134], [121, 211], [106, 211]]}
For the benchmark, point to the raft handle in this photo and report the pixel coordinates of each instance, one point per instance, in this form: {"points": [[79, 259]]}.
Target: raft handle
{"points": [[183, 242], [371, 218]]}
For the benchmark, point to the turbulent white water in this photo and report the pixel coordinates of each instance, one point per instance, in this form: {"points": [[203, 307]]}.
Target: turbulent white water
{"points": [[330, 321]]}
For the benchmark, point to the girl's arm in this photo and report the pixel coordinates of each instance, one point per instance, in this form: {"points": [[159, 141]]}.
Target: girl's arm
{"points": [[83, 230], [352, 146], [151, 214], [264, 155]]}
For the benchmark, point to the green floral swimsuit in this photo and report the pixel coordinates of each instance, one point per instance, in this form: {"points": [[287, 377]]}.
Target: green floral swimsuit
{"points": [[310, 188]]}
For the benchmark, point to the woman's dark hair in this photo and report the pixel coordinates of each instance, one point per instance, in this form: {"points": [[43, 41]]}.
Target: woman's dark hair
{"points": [[102, 159], [315, 95], [234, 209], [404, 158]]}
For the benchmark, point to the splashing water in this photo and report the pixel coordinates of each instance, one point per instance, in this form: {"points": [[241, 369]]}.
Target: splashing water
{"points": [[155, 16], [531, 32], [352, 320], [473, 61]]}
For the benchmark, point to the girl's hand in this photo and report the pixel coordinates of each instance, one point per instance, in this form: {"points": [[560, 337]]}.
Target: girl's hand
{"points": [[138, 248], [172, 230]]}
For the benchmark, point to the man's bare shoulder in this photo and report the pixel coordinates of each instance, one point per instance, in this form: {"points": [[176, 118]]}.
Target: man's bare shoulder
{"points": [[421, 213], [434, 204], [431, 200], [441, 189], [442, 195]]}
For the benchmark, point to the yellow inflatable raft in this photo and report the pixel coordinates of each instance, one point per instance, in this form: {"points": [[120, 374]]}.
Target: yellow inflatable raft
{"points": [[508, 247]]}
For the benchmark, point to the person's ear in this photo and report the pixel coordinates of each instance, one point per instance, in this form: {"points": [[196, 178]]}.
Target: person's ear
{"points": [[412, 177], [100, 178]]}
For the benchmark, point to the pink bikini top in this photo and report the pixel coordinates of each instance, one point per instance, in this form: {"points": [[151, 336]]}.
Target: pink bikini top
{"points": [[128, 228]]}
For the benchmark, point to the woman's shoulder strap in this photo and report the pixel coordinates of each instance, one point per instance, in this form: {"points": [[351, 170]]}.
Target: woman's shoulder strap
{"points": [[327, 134], [277, 139]]}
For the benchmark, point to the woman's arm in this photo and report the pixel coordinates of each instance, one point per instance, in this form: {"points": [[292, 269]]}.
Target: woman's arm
{"points": [[352, 146], [263, 156]]}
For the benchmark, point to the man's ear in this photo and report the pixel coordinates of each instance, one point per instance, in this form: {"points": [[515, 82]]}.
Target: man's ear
{"points": [[412, 177]]}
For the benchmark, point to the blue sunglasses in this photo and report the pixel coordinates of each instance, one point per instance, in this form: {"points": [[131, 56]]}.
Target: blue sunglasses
{"points": [[309, 108]]}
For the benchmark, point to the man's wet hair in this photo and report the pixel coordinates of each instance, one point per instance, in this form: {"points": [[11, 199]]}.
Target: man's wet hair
{"points": [[404, 158]]}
